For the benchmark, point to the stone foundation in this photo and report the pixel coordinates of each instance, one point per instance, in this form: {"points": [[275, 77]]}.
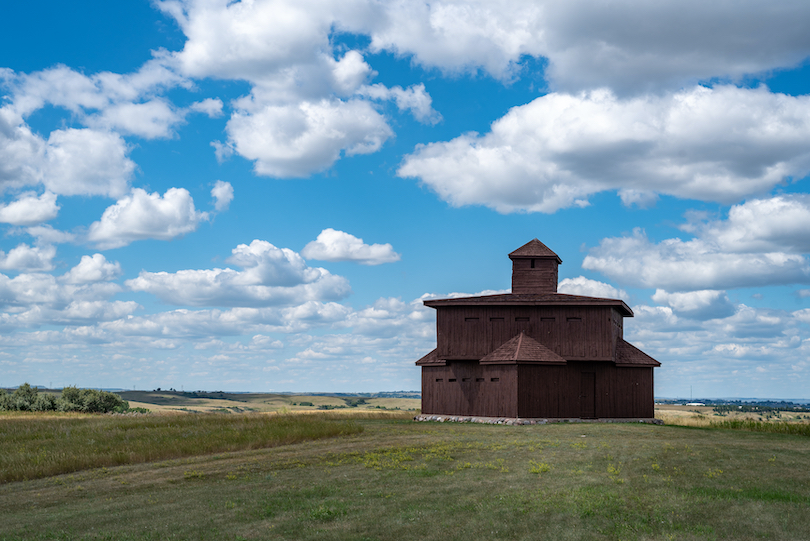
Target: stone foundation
{"points": [[512, 421]]}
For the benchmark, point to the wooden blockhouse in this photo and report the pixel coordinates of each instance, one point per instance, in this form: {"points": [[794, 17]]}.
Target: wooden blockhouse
{"points": [[535, 353]]}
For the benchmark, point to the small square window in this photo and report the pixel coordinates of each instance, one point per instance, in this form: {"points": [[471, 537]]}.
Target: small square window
{"points": [[495, 380], [452, 380]]}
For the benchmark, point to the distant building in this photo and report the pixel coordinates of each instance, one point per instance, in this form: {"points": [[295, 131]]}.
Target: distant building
{"points": [[535, 353]]}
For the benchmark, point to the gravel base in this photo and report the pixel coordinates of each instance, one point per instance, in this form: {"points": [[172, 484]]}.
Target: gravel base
{"points": [[511, 421]]}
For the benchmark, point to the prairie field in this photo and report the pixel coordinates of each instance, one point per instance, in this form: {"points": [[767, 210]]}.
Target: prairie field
{"points": [[162, 401], [377, 476]]}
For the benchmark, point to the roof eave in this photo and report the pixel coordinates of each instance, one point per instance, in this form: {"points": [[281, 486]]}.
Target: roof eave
{"points": [[488, 301]]}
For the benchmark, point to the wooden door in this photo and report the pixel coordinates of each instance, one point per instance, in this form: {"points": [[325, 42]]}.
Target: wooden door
{"points": [[587, 395]]}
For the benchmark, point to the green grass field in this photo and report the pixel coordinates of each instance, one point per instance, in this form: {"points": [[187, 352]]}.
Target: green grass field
{"points": [[396, 479]]}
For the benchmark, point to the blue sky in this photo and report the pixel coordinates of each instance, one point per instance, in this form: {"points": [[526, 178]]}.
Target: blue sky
{"points": [[257, 196]]}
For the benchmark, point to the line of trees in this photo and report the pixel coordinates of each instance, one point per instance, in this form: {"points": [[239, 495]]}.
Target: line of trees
{"points": [[27, 398], [748, 408]]}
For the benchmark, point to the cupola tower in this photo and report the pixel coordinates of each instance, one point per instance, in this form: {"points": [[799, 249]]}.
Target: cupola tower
{"points": [[534, 269]]}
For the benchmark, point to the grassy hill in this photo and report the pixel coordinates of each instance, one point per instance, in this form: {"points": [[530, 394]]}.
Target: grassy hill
{"points": [[391, 478], [161, 401]]}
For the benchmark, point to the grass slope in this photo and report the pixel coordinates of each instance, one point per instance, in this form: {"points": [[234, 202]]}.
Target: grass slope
{"points": [[161, 401], [37, 445], [403, 480]]}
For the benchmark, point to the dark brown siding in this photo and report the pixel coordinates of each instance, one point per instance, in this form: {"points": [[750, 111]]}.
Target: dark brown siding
{"points": [[556, 391], [617, 327], [573, 332], [541, 278], [488, 391]]}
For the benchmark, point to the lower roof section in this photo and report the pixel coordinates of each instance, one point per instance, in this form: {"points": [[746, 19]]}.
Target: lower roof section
{"points": [[431, 359], [629, 355], [522, 349]]}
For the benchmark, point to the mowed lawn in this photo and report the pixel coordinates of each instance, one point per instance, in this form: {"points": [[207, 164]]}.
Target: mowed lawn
{"points": [[398, 479]]}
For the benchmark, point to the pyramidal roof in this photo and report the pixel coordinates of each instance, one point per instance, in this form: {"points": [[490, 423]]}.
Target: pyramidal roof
{"points": [[535, 248], [520, 350], [629, 355], [431, 359]]}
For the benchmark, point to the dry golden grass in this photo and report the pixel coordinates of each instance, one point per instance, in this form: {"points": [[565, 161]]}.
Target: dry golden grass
{"points": [[161, 401]]}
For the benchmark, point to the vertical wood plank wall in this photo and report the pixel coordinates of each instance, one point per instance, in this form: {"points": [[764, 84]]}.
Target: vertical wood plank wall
{"points": [[536, 391], [542, 278], [554, 391], [573, 332], [473, 392]]}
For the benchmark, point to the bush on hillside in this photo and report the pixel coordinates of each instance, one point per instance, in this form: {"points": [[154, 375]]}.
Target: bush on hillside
{"points": [[27, 398], [90, 401]]}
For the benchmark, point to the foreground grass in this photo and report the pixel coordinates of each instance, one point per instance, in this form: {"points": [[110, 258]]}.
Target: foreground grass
{"points": [[34, 446], [402, 480]]}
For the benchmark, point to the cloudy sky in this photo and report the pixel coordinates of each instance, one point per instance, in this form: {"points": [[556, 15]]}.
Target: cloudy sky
{"points": [[258, 195]]}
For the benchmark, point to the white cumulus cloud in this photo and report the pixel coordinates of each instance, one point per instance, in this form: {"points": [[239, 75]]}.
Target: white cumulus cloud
{"points": [[69, 162], [28, 258], [209, 106], [92, 269], [703, 304], [676, 265], [294, 140], [719, 144], [151, 119], [222, 192], [86, 162], [30, 209], [777, 224], [142, 215], [590, 288], [333, 245], [413, 99], [271, 277]]}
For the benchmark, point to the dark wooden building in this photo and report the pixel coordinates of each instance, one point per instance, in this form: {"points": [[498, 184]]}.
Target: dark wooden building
{"points": [[535, 353]]}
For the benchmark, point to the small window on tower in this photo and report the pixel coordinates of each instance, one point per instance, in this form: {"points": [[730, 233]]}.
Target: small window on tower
{"points": [[532, 263]]}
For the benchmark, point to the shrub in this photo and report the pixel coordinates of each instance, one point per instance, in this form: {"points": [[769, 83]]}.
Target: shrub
{"points": [[27, 398], [5, 400], [90, 401], [44, 402], [24, 397]]}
